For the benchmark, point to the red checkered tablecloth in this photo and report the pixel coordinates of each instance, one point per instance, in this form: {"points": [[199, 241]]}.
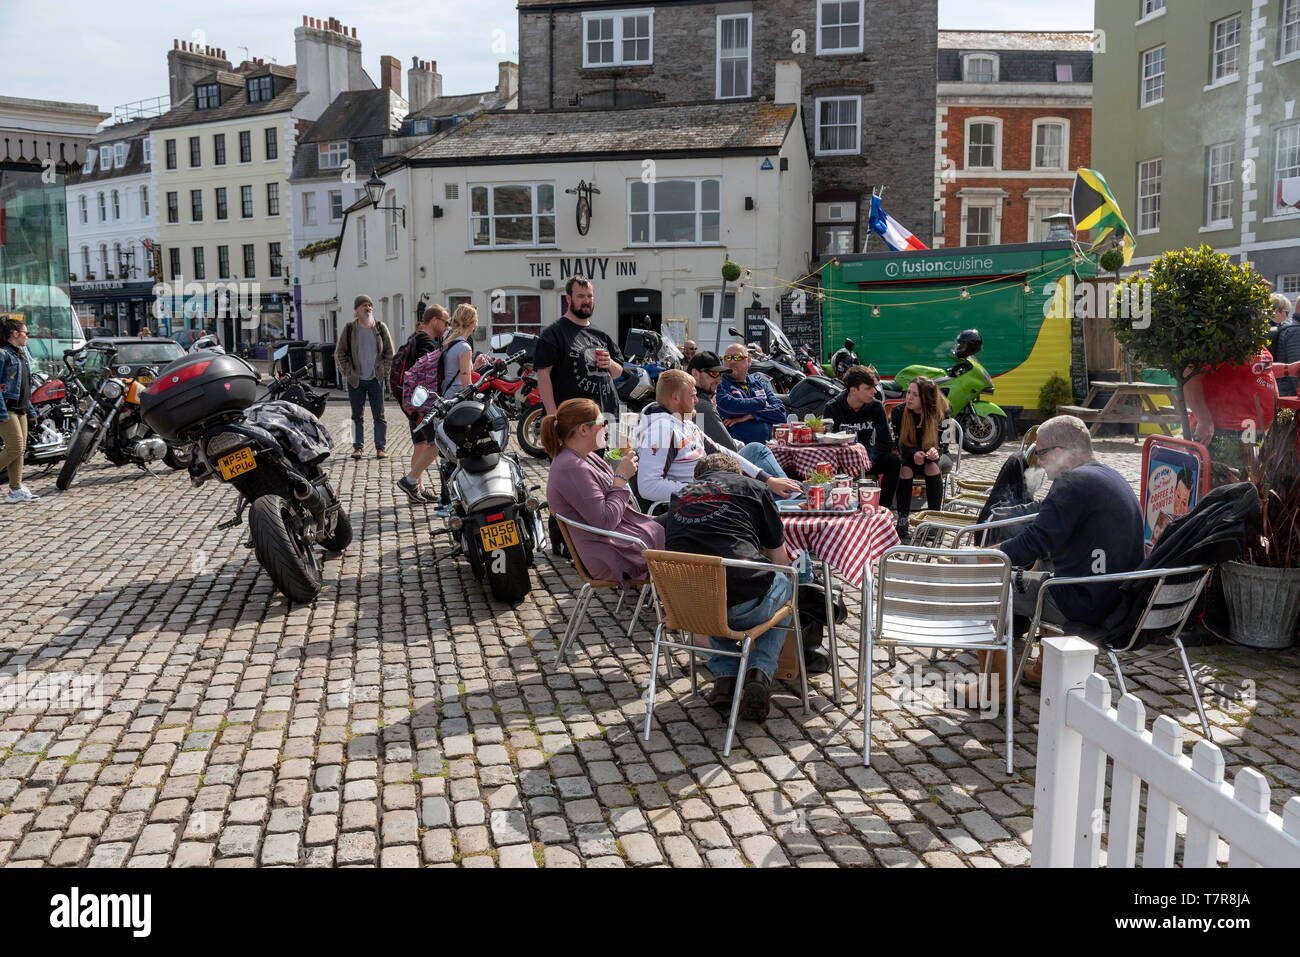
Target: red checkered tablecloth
{"points": [[799, 460], [849, 542]]}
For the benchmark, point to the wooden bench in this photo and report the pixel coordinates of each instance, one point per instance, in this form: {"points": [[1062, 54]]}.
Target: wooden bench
{"points": [[1131, 403]]}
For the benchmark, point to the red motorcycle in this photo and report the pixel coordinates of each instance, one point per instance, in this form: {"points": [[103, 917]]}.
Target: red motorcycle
{"points": [[519, 399]]}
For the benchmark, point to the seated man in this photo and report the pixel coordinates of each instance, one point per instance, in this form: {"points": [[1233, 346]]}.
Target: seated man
{"points": [[726, 514], [747, 404], [858, 410], [706, 370], [1089, 524], [669, 445]]}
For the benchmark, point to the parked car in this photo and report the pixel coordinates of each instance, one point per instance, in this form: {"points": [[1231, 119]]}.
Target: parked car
{"points": [[99, 332]]}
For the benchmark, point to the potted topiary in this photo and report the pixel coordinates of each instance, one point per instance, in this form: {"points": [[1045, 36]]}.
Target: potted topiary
{"points": [[1263, 589], [815, 423]]}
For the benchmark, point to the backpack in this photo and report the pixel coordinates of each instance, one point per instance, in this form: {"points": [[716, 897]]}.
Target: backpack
{"points": [[397, 371], [426, 372]]}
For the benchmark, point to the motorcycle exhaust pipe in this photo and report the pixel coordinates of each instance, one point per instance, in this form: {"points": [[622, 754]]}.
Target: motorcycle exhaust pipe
{"points": [[308, 494]]}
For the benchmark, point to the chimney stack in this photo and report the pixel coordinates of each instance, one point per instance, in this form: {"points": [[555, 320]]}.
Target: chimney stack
{"points": [[789, 83], [390, 74], [507, 79], [423, 83], [186, 63]]}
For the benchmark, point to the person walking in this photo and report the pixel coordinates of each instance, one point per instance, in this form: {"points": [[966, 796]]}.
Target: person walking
{"points": [[428, 335], [363, 355], [17, 414], [575, 360], [458, 362]]}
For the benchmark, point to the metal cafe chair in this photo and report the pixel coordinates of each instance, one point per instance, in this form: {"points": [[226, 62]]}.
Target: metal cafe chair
{"points": [[591, 584], [942, 603], [1174, 594], [693, 591]]}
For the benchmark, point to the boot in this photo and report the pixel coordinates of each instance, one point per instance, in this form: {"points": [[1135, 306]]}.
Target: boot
{"points": [[904, 503], [977, 692], [1033, 675], [934, 492]]}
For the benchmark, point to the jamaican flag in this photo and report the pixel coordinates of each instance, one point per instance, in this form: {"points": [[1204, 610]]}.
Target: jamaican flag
{"points": [[1094, 207]]}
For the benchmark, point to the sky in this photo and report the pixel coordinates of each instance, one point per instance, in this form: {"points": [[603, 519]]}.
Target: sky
{"points": [[117, 52]]}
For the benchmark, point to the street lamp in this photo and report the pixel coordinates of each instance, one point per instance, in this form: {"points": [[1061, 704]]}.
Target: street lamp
{"points": [[375, 191]]}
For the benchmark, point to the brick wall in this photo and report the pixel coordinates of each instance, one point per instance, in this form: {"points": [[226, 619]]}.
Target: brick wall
{"points": [[895, 76], [1016, 162]]}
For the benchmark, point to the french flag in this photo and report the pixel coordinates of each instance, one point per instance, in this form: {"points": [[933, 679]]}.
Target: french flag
{"points": [[895, 234]]}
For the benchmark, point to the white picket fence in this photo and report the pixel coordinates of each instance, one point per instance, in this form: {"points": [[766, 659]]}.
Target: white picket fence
{"points": [[1079, 733]]}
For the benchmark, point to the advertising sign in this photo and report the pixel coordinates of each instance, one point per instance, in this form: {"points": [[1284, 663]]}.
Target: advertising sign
{"points": [[1175, 475]]}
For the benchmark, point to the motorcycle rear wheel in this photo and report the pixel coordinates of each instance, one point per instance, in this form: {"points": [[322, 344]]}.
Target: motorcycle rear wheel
{"points": [[529, 432], [79, 449], [982, 434], [293, 564], [511, 583], [341, 537], [177, 459]]}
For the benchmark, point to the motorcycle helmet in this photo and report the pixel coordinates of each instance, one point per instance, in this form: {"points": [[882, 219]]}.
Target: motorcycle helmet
{"points": [[467, 425], [968, 344]]}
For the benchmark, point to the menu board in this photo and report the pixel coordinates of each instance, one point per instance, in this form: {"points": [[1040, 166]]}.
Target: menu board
{"points": [[801, 320]]}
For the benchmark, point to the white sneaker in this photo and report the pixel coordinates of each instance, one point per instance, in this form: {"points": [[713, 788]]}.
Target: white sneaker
{"points": [[21, 495]]}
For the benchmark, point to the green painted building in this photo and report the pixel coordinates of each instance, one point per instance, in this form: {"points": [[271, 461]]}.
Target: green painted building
{"points": [[907, 308], [1196, 129]]}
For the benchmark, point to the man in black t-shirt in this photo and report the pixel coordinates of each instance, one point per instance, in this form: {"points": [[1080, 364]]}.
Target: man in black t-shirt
{"points": [[727, 514], [858, 410], [567, 361]]}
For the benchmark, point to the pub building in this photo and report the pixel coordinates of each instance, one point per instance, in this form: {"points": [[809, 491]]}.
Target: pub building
{"points": [[647, 203]]}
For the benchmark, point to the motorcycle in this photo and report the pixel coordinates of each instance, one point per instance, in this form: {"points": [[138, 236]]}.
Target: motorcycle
{"points": [[494, 515], [56, 404], [984, 425], [648, 354], [272, 452], [289, 386], [112, 420], [843, 360]]}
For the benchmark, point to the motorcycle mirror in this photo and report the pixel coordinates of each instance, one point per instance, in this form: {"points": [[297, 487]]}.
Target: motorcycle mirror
{"points": [[281, 352], [419, 396], [734, 332]]}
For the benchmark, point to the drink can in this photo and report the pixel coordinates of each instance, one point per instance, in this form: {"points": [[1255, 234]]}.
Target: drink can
{"points": [[827, 468], [601, 354], [817, 497]]}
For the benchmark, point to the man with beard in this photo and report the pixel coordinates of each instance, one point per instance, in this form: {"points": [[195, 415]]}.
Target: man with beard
{"points": [[575, 360]]}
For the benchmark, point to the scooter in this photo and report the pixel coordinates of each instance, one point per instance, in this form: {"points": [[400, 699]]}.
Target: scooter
{"points": [[984, 425], [494, 515]]}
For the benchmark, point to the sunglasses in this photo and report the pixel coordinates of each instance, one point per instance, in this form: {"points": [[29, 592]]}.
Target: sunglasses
{"points": [[734, 357], [600, 422], [711, 374]]}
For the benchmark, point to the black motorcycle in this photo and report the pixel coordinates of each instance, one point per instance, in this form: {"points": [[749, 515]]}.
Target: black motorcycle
{"points": [[291, 386], [208, 399], [494, 515], [112, 422]]}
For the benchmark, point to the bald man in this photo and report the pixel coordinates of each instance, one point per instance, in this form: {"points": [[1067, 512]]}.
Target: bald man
{"points": [[748, 406]]}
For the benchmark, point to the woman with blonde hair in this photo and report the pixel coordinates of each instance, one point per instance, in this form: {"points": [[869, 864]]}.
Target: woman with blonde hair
{"points": [[458, 360], [918, 424], [582, 487]]}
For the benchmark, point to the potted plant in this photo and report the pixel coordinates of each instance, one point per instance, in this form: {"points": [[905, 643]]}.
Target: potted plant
{"points": [[1263, 588], [815, 423]]}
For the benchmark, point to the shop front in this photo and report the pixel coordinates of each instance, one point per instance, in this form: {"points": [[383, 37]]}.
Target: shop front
{"points": [[902, 309], [115, 307]]}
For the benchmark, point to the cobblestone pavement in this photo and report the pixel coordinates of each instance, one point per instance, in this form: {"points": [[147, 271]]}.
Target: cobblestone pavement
{"points": [[406, 719]]}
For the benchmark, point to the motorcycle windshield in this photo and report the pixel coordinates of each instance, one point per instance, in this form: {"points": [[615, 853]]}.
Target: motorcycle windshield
{"points": [[670, 353], [777, 337]]}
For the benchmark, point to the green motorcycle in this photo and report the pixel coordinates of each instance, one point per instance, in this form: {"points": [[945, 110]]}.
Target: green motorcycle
{"points": [[984, 425]]}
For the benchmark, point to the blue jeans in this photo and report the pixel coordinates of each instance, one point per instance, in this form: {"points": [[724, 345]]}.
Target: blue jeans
{"points": [[764, 650], [759, 454], [373, 390]]}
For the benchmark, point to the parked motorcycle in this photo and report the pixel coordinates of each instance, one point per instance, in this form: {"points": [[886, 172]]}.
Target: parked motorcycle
{"points": [[984, 425], [291, 386], [647, 353], [494, 515], [55, 401], [844, 359], [112, 420], [271, 451]]}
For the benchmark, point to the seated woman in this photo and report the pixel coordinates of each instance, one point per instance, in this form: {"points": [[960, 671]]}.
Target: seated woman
{"points": [[583, 488], [918, 424]]}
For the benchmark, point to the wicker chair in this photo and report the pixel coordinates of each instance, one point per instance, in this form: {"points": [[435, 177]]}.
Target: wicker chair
{"points": [[693, 590], [591, 584]]}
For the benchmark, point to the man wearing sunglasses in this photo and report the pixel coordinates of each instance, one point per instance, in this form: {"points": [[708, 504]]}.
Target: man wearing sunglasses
{"points": [[747, 404], [706, 369]]}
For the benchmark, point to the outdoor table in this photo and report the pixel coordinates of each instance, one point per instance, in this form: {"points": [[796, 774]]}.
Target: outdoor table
{"points": [[1131, 403], [850, 543], [799, 460]]}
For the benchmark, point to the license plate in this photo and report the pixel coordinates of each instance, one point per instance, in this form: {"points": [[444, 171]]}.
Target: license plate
{"points": [[237, 463], [500, 535]]}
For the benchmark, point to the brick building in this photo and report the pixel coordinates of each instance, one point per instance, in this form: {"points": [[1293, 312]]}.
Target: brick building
{"points": [[868, 84], [1014, 124]]}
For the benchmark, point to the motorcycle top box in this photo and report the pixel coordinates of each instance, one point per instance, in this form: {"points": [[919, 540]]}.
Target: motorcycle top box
{"points": [[195, 389]]}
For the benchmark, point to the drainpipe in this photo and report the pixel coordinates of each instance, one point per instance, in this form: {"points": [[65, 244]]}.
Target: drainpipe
{"points": [[550, 62]]}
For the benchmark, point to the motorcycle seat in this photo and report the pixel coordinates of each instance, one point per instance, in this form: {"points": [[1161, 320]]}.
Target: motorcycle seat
{"points": [[509, 386], [480, 463]]}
